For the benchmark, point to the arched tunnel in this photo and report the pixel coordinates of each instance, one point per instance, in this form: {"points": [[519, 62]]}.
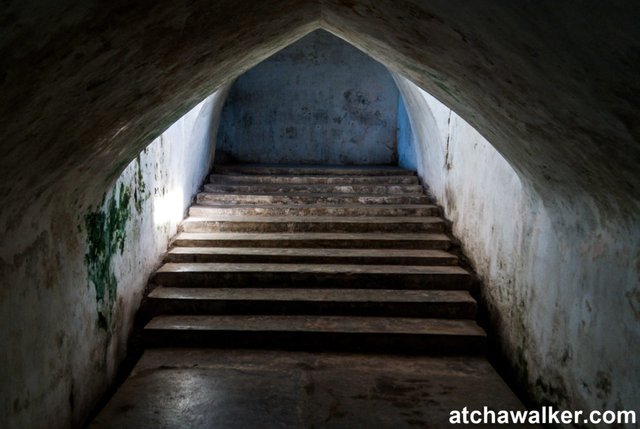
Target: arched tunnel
{"points": [[524, 120]]}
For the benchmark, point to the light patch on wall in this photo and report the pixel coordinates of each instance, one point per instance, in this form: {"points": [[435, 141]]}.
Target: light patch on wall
{"points": [[168, 208]]}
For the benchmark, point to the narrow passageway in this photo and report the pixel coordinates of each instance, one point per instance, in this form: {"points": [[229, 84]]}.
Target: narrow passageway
{"points": [[521, 119], [275, 262], [314, 282]]}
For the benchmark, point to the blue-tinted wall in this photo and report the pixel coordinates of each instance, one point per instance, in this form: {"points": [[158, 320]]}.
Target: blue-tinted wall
{"points": [[318, 101], [405, 138]]}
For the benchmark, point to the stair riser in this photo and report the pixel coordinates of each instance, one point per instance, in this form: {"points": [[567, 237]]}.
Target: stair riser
{"points": [[306, 171], [319, 341], [320, 243], [204, 198], [306, 259], [346, 227], [204, 211], [313, 180], [441, 310], [310, 279], [314, 189]]}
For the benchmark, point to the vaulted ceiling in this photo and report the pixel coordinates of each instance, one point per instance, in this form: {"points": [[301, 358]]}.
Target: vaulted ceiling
{"points": [[553, 85]]}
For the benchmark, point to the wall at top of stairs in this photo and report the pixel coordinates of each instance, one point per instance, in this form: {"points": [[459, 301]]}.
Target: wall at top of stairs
{"points": [[318, 101], [559, 280]]}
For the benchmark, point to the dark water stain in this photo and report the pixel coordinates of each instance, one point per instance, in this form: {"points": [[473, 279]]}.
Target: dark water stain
{"points": [[603, 384], [291, 132], [139, 191], [357, 103], [552, 390], [633, 297]]}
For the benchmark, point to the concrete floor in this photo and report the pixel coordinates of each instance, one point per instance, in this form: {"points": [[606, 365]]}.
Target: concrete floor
{"points": [[189, 388]]}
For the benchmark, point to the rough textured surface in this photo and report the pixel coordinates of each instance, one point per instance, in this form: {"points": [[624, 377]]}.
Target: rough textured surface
{"points": [[560, 289], [552, 95], [315, 295], [316, 239], [321, 268], [203, 389], [312, 224], [274, 305], [302, 255], [318, 189], [315, 210], [207, 198], [87, 85], [313, 170], [453, 304], [319, 100], [340, 180], [350, 324], [312, 275], [67, 318]]}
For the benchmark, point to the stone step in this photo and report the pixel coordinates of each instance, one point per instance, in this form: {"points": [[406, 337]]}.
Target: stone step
{"points": [[288, 189], [311, 256], [344, 333], [315, 170], [358, 302], [313, 240], [314, 210], [312, 224], [238, 198], [342, 276], [326, 180]]}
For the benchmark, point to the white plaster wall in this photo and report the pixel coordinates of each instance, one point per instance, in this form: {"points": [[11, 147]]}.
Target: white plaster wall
{"points": [[57, 358], [560, 282]]}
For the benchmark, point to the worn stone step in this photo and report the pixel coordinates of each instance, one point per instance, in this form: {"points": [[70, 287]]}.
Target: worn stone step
{"points": [[314, 240], [312, 275], [314, 210], [327, 180], [312, 224], [289, 189], [344, 333], [316, 170], [361, 302], [311, 256], [238, 198]]}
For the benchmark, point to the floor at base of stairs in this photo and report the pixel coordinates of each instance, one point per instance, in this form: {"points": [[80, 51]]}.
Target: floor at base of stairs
{"points": [[208, 388]]}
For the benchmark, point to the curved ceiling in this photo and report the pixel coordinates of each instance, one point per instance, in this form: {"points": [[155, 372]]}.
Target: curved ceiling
{"points": [[86, 85]]}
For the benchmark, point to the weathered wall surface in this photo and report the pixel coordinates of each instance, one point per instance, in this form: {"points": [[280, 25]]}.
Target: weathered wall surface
{"points": [[86, 85], [407, 151], [68, 300], [561, 287], [320, 100], [67, 134]]}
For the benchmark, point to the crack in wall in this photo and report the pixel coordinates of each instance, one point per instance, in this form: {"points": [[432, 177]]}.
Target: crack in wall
{"points": [[447, 164]]}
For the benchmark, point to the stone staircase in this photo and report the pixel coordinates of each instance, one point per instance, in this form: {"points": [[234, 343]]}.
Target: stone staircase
{"points": [[275, 264], [313, 258]]}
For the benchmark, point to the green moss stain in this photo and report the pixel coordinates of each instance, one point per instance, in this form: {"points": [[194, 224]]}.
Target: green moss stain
{"points": [[106, 233]]}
